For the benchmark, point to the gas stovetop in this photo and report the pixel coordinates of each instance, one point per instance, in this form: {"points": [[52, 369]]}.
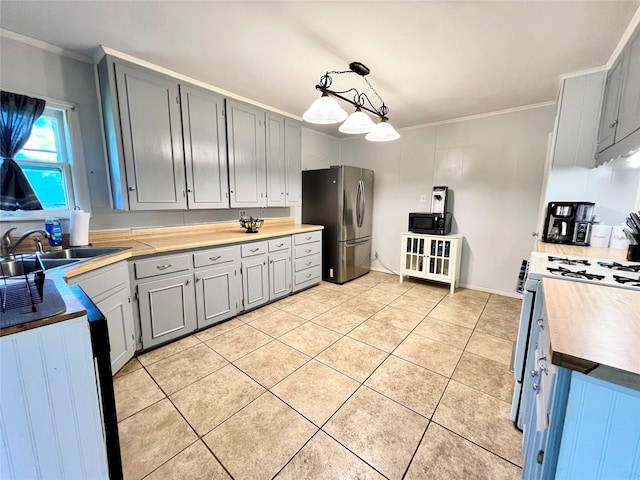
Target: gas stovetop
{"points": [[621, 274]]}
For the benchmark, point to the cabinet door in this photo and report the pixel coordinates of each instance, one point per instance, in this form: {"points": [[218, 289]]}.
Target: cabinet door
{"points": [[279, 275], [152, 144], [293, 162], [255, 282], [629, 115], [167, 309], [117, 310], [610, 104], [246, 138], [205, 148], [413, 254], [216, 295], [276, 167]]}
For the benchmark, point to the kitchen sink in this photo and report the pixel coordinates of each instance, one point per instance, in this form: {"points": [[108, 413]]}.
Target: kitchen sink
{"points": [[78, 253], [20, 265], [49, 263]]}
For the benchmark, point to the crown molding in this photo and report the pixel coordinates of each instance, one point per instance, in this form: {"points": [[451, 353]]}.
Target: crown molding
{"points": [[18, 37]]}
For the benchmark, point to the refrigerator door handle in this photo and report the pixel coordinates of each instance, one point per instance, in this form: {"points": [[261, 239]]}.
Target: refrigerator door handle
{"points": [[358, 204], [356, 243], [363, 203]]}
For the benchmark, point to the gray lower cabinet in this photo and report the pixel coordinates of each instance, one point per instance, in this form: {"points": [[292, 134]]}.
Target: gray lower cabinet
{"points": [[217, 284], [279, 267], [167, 308], [108, 288], [307, 260], [255, 274]]}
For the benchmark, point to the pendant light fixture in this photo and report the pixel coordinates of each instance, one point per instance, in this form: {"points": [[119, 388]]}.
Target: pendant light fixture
{"points": [[326, 110]]}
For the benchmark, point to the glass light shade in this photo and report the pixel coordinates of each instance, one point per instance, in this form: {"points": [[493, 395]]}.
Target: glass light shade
{"points": [[325, 110], [382, 132], [358, 122]]}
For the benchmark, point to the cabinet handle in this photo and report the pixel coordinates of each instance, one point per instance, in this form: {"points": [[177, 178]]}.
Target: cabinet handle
{"points": [[187, 282], [231, 191], [215, 257], [308, 251], [308, 263], [163, 267], [308, 238], [534, 373], [535, 386], [613, 124], [280, 245], [198, 279], [308, 275], [542, 365], [131, 189], [189, 190], [540, 323], [540, 456], [254, 249]]}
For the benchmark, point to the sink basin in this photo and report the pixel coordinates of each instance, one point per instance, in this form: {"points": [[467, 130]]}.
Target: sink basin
{"points": [[20, 265], [78, 253], [49, 263]]}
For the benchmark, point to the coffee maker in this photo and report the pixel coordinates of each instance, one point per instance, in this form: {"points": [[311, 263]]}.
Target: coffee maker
{"points": [[568, 223], [439, 199]]}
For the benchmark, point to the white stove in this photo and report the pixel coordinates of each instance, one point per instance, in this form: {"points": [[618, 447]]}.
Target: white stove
{"points": [[621, 274]]}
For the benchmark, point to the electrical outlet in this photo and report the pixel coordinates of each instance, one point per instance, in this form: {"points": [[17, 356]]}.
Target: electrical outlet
{"points": [[423, 198]]}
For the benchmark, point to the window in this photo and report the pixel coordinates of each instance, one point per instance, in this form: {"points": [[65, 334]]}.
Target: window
{"points": [[46, 162]]}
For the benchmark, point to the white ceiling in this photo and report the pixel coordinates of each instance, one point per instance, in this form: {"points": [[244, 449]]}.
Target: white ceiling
{"points": [[430, 60]]}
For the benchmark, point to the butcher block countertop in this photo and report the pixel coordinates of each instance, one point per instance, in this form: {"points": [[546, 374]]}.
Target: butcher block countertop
{"points": [[147, 241], [592, 325], [615, 254]]}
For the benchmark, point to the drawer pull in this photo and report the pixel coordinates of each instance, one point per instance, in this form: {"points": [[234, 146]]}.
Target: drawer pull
{"points": [[540, 323], [163, 267], [280, 245], [308, 263], [308, 238], [535, 386], [254, 249], [542, 365], [534, 373], [215, 257], [187, 282], [308, 275], [308, 251]]}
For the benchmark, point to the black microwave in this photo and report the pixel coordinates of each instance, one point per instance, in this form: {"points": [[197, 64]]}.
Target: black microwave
{"points": [[430, 223]]}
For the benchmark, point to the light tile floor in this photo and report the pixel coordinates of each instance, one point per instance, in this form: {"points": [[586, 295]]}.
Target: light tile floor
{"points": [[370, 380]]}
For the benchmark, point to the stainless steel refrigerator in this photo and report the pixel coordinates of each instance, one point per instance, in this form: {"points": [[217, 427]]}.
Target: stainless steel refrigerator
{"points": [[341, 199]]}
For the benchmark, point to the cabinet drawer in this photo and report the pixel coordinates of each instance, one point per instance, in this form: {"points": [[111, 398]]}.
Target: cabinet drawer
{"points": [[104, 280], [162, 265], [215, 256], [309, 237], [278, 244], [308, 275], [257, 248], [307, 249], [307, 262]]}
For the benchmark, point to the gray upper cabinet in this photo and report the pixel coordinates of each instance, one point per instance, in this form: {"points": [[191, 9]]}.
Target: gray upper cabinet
{"points": [[577, 123], [276, 167], [610, 104], [629, 114], [621, 105], [246, 147], [293, 162], [205, 148], [151, 140]]}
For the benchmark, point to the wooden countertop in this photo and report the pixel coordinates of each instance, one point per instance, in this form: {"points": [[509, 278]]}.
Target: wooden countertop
{"points": [[578, 251], [147, 241], [593, 324]]}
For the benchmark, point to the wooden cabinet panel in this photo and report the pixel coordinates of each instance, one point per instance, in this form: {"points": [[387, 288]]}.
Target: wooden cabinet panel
{"points": [[151, 139], [205, 148], [246, 138]]}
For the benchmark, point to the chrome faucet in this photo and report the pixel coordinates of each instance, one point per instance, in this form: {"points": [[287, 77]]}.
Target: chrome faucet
{"points": [[8, 247]]}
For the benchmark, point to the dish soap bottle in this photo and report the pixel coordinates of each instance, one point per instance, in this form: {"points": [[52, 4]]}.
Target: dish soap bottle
{"points": [[53, 227]]}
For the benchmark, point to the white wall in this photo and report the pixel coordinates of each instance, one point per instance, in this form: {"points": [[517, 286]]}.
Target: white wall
{"points": [[613, 187], [494, 165]]}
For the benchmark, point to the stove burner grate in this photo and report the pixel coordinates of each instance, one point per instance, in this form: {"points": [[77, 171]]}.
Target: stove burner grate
{"points": [[622, 268], [633, 282], [565, 272], [568, 261]]}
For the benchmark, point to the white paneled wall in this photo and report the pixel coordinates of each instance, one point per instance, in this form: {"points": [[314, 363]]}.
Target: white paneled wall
{"points": [[494, 165], [613, 187]]}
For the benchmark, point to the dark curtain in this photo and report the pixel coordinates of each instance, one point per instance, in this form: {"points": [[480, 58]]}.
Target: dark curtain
{"points": [[17, 116]]}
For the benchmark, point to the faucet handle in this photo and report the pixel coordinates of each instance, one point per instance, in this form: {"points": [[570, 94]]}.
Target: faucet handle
{"points": [[6, 241]]}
